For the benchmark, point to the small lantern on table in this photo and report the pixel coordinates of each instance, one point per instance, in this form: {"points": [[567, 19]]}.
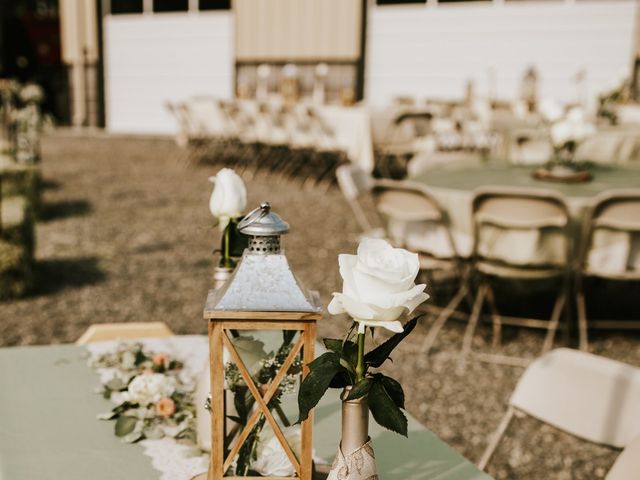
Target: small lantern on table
{"points": [[262, 307]]}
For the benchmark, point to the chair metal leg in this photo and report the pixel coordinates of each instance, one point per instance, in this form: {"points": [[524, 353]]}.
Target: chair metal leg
{"points": [[430, 339], [496, 437], [554, 322], [496, 319], [582, 321], [471, 328]]}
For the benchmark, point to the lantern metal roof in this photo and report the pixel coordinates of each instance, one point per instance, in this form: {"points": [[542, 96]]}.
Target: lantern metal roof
{"points": [[263, 280]]}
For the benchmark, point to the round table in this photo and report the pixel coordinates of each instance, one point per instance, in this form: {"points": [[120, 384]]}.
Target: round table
{"points": [[454, 188]]}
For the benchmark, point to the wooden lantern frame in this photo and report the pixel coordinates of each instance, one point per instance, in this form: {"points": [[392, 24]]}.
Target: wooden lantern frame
{"points": [[220, 323]]}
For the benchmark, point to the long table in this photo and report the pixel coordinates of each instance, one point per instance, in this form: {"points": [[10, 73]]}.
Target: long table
{"points": [[49, 430]]}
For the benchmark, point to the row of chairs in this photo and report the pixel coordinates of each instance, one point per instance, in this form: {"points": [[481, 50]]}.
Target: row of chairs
{"points": [[290, 141], [507, 210]]}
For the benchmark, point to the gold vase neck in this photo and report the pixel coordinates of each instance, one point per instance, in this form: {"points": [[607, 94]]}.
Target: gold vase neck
{"points": [[355, 423]]}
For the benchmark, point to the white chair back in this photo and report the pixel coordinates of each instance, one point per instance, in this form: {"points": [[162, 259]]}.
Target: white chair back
{"points": [[611, 233], [591, 397], [535, 221], [627, 465]]}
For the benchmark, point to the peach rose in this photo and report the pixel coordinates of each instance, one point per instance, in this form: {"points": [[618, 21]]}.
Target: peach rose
{"points": [[159, 359], [165, 407]]}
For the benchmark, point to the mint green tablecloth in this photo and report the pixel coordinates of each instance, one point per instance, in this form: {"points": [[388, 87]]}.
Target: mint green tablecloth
{"points": [[49, 431]]}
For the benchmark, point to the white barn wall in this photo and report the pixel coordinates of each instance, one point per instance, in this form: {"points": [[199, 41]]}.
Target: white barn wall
{"points": [[154, 58], [432, 50]]}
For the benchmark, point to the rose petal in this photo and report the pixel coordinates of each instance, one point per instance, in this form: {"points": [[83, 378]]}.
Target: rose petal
{"points": [[357, 309], [335, 306], [394, 326]]}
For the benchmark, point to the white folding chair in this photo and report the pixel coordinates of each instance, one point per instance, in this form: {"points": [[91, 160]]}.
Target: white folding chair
{"points": [[627, 465], [416, 221], [101, 332], [591, 397], [525, 217], [355, 184], [618, 212]]}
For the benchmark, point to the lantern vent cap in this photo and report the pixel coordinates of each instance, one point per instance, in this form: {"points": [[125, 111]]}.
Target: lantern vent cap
{"points": [[262, 222]]}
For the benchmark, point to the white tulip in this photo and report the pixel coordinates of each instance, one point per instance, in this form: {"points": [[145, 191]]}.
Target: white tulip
{"points": [[229, 196], [378, 285], [149, 388]]}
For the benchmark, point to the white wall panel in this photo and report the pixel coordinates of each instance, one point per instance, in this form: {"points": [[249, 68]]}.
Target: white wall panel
{"points": [[431, 51], [151, 59]]}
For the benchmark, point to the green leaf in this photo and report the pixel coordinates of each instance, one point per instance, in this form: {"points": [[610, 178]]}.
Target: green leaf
{"points": [[251, 352], [379, 355], [347, 349], [133, 437], [360, 389], [237, 241], [125, 425], [392, 387], [107, 415], [341, 380], [385, 411], [333, 344], [116, 384], [321, 372]]}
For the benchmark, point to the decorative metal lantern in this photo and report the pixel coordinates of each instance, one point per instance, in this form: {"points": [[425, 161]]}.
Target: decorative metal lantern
{"points": [[262, 308]]}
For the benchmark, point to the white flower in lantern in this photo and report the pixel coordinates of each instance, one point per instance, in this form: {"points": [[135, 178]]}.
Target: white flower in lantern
{"points": [[229, 196], [272, 461], [378, 285]]}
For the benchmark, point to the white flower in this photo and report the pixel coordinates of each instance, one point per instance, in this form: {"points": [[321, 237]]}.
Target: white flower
{"points": [[272, 460], [31, 93], [229, 196], [378, 285], [574, 128], [561, 133], [550, 110], [149, 388]]}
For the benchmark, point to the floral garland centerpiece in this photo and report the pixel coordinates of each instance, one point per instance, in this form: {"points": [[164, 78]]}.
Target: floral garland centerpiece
{"points": [[378, 288], [153, 399]]}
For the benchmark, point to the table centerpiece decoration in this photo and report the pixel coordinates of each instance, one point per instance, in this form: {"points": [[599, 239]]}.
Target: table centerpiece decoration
{"points": [[566, 134], [227, 202], [378, 289]]}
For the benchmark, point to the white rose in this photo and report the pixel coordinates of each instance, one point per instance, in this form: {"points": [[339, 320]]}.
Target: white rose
{"points": [[149, 388], [378, 285], [229, 196]]}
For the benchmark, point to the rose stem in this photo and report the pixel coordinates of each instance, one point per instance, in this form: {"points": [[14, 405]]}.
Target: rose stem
{"points": [[226, 245], [360, 366]]}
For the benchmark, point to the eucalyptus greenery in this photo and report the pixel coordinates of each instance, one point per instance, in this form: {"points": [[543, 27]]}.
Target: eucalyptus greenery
{"points": [[338, 368]]}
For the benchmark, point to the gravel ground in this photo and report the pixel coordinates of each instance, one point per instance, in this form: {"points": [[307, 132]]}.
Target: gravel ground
{"points": [[126, 236]]}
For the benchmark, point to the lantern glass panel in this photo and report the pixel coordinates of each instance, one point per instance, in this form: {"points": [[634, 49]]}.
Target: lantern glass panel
{"points": [[273, 359]]}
